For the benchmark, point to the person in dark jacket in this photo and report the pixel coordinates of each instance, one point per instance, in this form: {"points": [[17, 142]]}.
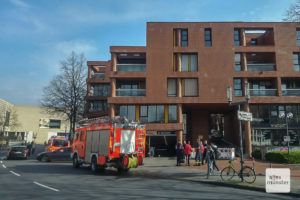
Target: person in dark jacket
{"points": [[199, 152], [209, 157], [179, 152], [215, 152]]}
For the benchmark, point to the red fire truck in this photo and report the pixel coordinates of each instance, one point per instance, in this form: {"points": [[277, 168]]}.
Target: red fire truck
{"points": [[109, 142], [57, 142]]}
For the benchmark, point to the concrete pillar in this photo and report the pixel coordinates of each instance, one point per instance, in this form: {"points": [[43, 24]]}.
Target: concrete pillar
{"points": [[114, 62], [278, 84], [90, 72], [243, 37], [244, 62], [179, 88], [178, 32], [179, 66], [248, 143], [112, 110], [180, 120], [113, 87]]}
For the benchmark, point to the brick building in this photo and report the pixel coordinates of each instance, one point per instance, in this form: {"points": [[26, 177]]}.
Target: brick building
{"points": [[177, 83]]}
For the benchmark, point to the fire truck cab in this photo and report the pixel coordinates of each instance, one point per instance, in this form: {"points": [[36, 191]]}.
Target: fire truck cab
{"points": [[109, 142], [57, 142]]}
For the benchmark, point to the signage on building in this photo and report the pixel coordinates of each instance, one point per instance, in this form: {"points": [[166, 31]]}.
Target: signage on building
{"points": [[245, 116], [286, 138]]}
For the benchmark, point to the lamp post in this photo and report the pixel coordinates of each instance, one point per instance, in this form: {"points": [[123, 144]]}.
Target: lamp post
{"points": [[289, 115], [247, 98]]}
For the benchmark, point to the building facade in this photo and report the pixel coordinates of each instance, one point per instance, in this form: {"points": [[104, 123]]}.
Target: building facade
{"points": [[177, 83]]}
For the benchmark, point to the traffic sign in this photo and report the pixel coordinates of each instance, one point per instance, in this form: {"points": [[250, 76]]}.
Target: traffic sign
{"points": [[245, 116]]}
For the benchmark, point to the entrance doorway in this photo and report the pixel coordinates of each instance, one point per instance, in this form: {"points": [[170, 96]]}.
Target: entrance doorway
{"points": [[161, 143]]}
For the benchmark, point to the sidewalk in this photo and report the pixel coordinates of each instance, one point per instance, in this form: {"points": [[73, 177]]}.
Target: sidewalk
{"points": [[166, 168]]}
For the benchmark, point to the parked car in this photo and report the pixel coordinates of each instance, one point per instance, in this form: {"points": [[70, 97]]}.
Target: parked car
{"points": [[62, 154], [17, 152]]}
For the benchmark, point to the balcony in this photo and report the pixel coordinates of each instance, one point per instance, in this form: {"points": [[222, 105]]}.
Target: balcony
{"points": [[263, 92], [131, 67], [98, 75], [130, 92], [261, 67], [291, 92]]}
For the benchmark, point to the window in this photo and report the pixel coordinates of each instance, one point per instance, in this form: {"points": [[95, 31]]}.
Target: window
{"points": [[144, 114], [253, 41], [298, 37], [207, 36], [98, 106], [172, 113], [237, 61], [184, 37], [189, 62], [237, 87], [172, 87], [98, 74], [296, 61], [237, 37], [53, 123], [100, 90], [128, 111], [189, 87]]}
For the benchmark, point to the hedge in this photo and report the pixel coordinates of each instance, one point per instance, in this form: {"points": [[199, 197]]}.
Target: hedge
{"points": [[257, 153], [282, 157]]}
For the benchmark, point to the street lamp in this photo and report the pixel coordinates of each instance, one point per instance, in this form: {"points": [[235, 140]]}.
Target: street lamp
{"points": [[247, 98], [289, 115]]}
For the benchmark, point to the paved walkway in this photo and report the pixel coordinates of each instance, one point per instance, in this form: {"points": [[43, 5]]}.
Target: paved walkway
{"points": [[166, 168]]}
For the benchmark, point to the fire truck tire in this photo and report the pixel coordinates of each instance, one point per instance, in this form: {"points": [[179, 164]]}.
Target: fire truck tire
{"points": [[75, 161], [121, 169], [94, 165], [45, 159]]}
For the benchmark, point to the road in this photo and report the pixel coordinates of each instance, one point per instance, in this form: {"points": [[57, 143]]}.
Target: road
{"points": [[30, 179]]}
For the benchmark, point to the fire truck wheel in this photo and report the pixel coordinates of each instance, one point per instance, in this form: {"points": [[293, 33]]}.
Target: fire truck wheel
{"points": [[94, 165], [75, 161], [121, 170], [45, 159]]}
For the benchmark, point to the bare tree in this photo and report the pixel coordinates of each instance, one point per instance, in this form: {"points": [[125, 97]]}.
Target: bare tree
{"points": [[66, 92], [293, 13]]}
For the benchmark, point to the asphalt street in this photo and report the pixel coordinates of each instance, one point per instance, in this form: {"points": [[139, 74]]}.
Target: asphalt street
{"points": [[31, 179]]}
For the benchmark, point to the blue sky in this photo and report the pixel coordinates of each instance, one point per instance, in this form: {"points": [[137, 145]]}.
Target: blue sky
{"points": [[35, 35]]}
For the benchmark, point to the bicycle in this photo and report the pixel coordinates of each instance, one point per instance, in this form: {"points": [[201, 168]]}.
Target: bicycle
{"points": [[245, 174]]}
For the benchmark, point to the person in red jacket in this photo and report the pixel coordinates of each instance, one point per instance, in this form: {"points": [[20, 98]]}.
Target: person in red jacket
{"points": [[187, 152]]}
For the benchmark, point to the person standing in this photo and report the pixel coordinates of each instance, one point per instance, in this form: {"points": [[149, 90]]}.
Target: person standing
{"points": [[179, 152], [187, 152], [209, 159], [33, 147], [216, 155], [199, 152], [204, 151]]}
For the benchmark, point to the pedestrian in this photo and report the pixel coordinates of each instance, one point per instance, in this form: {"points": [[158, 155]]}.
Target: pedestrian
{"points": [[199, 153], [29, 146], [187, 152], [204, 151], [216, 156], [209, 156], [33, 147], [179, 152]]}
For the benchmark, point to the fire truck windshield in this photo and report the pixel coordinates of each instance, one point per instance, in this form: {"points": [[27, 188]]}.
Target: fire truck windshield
{"points": [[60, 143]]}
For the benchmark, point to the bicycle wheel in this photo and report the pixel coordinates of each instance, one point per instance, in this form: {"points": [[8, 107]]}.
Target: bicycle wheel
{"points": [[227, 173], [249, 174]]}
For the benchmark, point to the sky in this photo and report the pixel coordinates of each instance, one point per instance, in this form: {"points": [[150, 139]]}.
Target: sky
{"points": [[35, 35]]}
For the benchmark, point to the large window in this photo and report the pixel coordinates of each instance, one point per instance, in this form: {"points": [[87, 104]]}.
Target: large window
{"points": [[238, 92], [189, 62], [172, 113], [237, 60], [184, 37], [172, 87], [207, 36], [296, 61], [157, 113], [189, 87], [128, 111], [98, 106], [237, 37], [100, 90], [298, 37]]}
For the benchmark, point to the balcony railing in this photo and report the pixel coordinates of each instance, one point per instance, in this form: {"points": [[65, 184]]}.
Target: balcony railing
{"points": [[260, 67], [291, 92], [131, 67], [98, 75], [263, 92], [130, 92]]}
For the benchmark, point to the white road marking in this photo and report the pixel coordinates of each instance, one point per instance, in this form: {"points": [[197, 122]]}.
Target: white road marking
{"points": [[45, 186], [14, 173], [3, 166]]}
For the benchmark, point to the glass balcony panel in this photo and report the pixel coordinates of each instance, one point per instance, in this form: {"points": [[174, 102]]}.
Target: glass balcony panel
{"points": [[131, 67], [98, 75], [263, 92], [260, 67], [130, 92], [291, 92]]}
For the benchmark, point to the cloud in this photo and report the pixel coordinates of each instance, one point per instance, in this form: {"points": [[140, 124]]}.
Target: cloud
{"points": [[20, 4]]}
